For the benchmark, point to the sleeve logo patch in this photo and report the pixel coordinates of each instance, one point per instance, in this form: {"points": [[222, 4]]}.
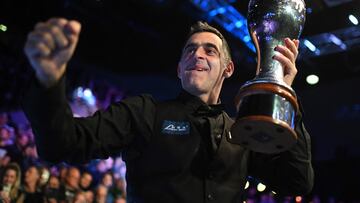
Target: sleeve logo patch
{"points": [[175, 127]]}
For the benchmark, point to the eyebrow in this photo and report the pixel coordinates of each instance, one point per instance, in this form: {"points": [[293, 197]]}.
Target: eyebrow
{"points": [[207, 44]]}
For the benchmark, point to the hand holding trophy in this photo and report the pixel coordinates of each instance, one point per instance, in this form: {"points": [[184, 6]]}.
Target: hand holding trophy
{"points": [[266, 105]]}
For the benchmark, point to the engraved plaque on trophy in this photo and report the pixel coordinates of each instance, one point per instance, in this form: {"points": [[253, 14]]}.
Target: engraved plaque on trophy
{"points": [[266, 105]]}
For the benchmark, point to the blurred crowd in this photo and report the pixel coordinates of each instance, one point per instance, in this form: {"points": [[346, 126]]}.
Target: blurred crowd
{"points": [[24, 177]]}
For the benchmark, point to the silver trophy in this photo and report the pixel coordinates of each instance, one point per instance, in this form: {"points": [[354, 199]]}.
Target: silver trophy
{"points": [[266, 105]]}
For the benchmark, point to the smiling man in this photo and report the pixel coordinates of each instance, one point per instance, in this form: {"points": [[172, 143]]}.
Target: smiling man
{"points": [[204, 64], [175, 150]]}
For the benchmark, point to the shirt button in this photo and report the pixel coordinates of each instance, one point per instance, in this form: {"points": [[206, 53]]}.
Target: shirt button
{"points": [[218, 136], [210, 197]]}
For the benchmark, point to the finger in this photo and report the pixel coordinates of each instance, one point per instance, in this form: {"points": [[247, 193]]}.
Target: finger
{"points": [[73, 27], [34, 49], [296, 42], [58, 21], [56, 30], [43, 37], [286, 52], [290, 44], [37, 45], [289, 68], [72, 30], [287, 64]]}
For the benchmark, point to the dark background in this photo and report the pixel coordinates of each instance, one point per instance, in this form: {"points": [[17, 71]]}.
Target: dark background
{"points": [[136, 45]]}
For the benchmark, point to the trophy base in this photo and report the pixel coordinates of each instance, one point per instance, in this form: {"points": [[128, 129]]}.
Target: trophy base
{"points": [[265, 120], [263, 134]]}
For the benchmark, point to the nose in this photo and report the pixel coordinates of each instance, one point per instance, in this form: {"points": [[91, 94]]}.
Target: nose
{"points": [[199, 52]]}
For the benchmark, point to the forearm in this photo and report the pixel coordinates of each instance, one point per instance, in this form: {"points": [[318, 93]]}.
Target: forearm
{"points": [[290, 172], [50, 118]]}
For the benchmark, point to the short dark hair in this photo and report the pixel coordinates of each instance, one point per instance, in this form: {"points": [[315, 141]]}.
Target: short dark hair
{"points": [[201, 26]]}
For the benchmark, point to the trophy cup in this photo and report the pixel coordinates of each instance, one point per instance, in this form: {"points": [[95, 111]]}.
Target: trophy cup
{"points": [[266, 105]]}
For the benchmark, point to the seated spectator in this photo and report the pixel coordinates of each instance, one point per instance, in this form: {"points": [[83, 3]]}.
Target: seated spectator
{"points": [[85, 181], [31, 190], [10, 183]]}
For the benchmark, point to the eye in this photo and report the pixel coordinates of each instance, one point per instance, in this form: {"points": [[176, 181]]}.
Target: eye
{"points": [[189, 49], [211, 51]]}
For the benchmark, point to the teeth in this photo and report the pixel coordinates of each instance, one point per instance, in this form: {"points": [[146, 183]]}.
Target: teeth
{"points": [[199, 69]]}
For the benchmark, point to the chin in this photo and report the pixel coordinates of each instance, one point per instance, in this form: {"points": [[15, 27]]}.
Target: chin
{"points": [[194, 89], [193, 85]]}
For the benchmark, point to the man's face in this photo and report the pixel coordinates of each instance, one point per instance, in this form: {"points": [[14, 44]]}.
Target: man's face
{"points": [[201, 65], [73, 178], [32, 175], [85, 180]]}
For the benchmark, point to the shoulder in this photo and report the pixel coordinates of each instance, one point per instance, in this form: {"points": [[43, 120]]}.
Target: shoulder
{"points": [[228, 119], [142, 98], [139, 102]]}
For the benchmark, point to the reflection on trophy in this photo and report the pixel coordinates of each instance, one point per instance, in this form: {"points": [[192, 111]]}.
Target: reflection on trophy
{"points": [[267, 106]]}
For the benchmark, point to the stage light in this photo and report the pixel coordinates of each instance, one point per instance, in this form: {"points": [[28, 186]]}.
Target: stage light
{"points": [[298, 199], [3, 27], [353, 19], [89, 97], [86, 95], [309, 45], [247, 185], [337, 41], [227, 16], [261, 187], [312, 79]]}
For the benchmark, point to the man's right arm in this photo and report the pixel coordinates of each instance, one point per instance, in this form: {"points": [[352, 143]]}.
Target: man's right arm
{"points": [[61, 137]]}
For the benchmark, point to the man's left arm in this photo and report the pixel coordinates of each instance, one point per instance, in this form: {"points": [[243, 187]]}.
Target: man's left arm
{"points": [[289, 172]]}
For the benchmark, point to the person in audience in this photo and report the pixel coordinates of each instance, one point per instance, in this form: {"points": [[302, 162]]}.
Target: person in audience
{"points": [[85, 181], [10, 183], [31, 187]]}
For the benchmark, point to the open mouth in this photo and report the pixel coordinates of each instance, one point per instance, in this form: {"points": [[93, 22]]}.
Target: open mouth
{"points": [[200, 69]]}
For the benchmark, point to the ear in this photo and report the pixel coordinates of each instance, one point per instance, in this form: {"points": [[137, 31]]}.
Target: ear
{"points": [[229, 70], [178, 71]]}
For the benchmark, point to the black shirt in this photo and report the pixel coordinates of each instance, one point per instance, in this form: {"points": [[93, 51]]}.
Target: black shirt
{"points": [[172, 149]]}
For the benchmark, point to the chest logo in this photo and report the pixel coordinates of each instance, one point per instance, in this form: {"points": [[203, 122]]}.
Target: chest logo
{"points": [[175, 127]]}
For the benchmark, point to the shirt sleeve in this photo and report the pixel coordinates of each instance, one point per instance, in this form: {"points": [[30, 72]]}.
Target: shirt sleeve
{"points": [[289, 172], [61, 137]]}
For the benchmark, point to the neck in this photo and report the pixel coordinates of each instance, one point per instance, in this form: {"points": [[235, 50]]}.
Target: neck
{"points": [[31, 187], [212, 97], [209, 98]]}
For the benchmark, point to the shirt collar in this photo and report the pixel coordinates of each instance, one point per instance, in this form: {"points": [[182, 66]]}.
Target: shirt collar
{"points": [[196, 105]]}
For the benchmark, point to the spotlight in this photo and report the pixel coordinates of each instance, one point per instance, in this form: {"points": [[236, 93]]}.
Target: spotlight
{"points": [[312, 79], [3, 27], [261, 187], [247, 185], [353, 19]]}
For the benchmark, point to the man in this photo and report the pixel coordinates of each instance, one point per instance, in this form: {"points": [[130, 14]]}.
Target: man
{"points": [[175, 151], [85, 181], [71, 184]]}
